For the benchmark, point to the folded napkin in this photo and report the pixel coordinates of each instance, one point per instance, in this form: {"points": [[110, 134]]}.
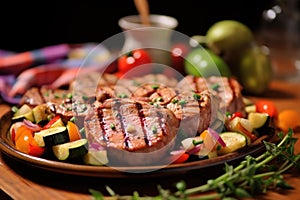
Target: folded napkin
{"points": [[53, 66]]}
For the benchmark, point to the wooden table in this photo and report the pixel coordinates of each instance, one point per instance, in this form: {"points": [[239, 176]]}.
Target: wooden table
{"points": [[21, 181]]}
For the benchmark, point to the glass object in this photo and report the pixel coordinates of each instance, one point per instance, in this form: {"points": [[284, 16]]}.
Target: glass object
{"points": [[280, 31]]}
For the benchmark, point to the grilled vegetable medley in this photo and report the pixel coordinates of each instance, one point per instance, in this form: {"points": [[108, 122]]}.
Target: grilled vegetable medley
{"points": [[140, 121]]}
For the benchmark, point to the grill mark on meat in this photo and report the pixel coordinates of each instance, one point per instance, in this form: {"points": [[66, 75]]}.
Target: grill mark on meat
{"points": [[195, 83], [162, 127], [142, 120], [123, 125], [233, 90], [102, 122], [41, 95]]}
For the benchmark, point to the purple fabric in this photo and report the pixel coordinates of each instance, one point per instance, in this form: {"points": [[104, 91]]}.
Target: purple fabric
{"points": [[6, 82], [52, 53], [4, 53], [56, 54]]}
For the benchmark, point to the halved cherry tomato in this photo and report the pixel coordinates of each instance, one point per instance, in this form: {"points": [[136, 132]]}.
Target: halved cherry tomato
{"points": [[73, 131], [25, 142], [181, 159], [20, 131], [13, 129], [135, 58], [52, 122], [236, 114], [23, 138], [35, 150], [266, 106]]}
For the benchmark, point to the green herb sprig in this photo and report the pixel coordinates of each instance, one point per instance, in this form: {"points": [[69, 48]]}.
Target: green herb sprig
{"points": [[251, 177]]}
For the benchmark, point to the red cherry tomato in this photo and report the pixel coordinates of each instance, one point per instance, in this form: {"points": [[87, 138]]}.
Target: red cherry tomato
{"points": [[51, 122], [179, 157], [24, 141], [35, 150], [133, 59], [266, 106], [236, 114]]}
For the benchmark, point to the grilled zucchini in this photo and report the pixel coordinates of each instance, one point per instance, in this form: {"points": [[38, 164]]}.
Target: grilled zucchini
{"points": [[52, 136], [71, 150], [233, 141]]}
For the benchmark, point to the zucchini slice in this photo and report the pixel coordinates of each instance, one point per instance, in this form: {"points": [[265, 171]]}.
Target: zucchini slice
{"points": [[40, 113], [250, 108], [24, 111], [233, 141], [96, 157], [52, 136], [258, 120], [71, 150]]}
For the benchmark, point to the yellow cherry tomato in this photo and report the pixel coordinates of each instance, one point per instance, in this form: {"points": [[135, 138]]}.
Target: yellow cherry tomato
{"points": [[288, 118], [23, 139], [73, 131]]}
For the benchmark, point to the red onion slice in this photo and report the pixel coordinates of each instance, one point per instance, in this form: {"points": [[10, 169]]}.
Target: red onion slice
{"points": [[195, 149], [216, 135], [32, 126]]}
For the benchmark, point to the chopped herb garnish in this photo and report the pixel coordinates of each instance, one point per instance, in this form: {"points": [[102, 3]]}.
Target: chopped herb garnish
{"points": [[159, 99], [56, 96], [196, 96], [123, 95], [154, 129], [155, 87], [112, 126], [182, 102], [228, 114], [46, 94], [73, 119], [85, 97], [82, 130], [14, 109], [49, 117], [69, 96], [215, 86], [196, 142], [156, 105], [175, 101]]}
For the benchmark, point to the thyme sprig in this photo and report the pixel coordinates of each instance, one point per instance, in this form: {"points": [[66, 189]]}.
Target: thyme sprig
{"points": [[251, 177]]}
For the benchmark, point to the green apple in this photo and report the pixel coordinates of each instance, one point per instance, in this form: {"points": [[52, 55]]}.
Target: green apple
{"points": [[254, 70], [228, 35], [203, 62]]}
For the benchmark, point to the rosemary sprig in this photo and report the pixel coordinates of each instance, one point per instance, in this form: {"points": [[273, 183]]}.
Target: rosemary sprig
{"points": [[252, 176]]}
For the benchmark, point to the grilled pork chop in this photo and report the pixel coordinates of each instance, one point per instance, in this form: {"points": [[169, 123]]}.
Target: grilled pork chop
{"points": [[228, 89], [196, 111], [139, 88], [134, 132], [59, 101]]}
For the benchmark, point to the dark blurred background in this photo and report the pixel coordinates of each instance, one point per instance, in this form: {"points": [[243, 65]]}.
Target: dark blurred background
{"points": [[27, 25]]}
